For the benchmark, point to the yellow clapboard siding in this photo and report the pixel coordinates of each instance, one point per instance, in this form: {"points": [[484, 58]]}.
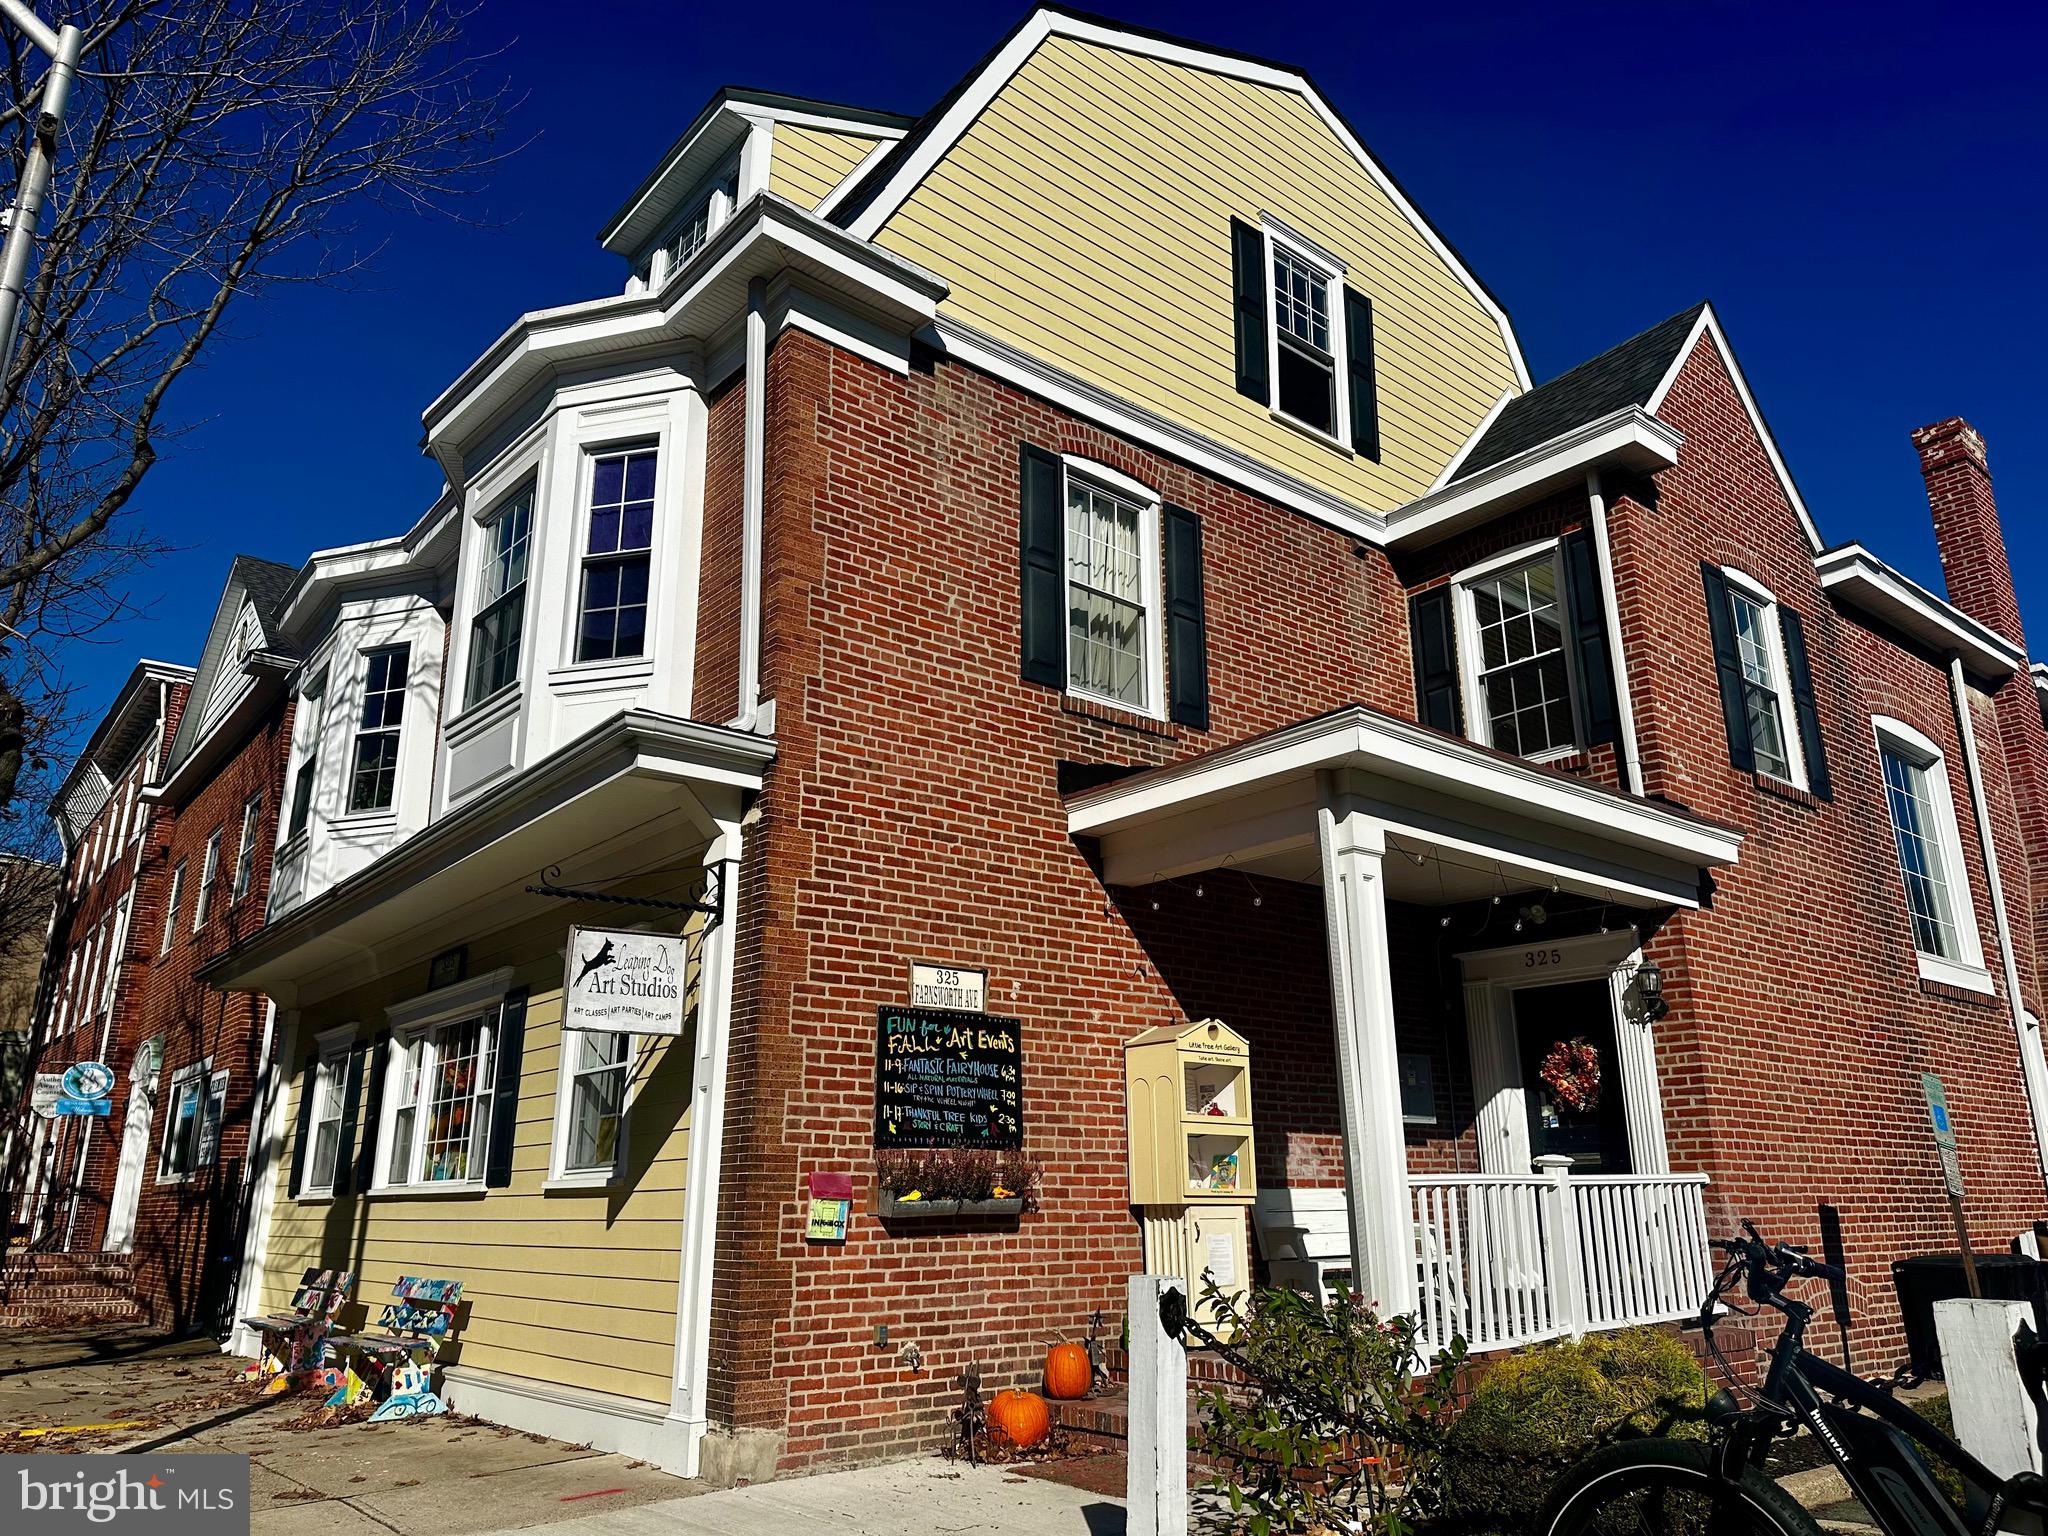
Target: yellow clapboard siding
{"points": [[807, 163], [576, 1288], [1085, 215]]}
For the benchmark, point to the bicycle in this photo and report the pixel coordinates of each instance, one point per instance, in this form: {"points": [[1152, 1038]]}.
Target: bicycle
{"points": [[1718, 1487]]}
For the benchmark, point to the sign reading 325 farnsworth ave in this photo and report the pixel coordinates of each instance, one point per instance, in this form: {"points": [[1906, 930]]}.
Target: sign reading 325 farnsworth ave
{"points": [[615, 979], [104, 1495]]}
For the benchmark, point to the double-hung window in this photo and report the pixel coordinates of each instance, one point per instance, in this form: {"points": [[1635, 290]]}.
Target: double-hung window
{"points": [[437, 1109], [1308, 337], [374, 776], [209, 872], [1759, 649], [1518, 666], [617, 549], [330, 1085], [500, 600], [590, 1111], [245, 851], [171, 909], [1113, 645], [1929, 844], [192, 1133]]}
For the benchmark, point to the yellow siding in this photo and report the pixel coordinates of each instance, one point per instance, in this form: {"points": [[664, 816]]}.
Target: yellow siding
{"points": [[1085, 217], [809, 162], [576, 1288]]}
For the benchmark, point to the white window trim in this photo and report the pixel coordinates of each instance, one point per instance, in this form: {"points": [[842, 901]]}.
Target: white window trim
{"points": [[479, 997], [655, 442], [526, 484], [177, 894], [1477, 726], [202, 1071], [1969, 971], [560, 1175], [348, 815], [1151, 566], [330, 1072], [1333, 271], [1781, 674], [244, 878], [209, 871]]}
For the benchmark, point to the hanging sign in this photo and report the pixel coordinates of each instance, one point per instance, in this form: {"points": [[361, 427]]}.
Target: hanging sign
{"points": [[947, 986], [614, 979], [86, 1088], [48, 1089], [947, 1079]]}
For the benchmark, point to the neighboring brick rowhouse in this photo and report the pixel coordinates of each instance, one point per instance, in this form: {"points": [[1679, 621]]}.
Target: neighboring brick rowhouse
{"points": [[914, 811], [188, 1234], [1971, 541]]}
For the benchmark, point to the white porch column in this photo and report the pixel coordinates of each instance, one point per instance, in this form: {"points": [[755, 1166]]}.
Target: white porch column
{"points": [[687, 1405], [1353, 846]]}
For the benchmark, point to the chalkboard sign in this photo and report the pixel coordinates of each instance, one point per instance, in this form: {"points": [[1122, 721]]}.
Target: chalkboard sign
{"points": [[947, 1079]]}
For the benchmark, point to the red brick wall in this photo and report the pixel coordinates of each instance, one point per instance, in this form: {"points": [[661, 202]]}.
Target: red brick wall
{"points": [[188, 1234]]}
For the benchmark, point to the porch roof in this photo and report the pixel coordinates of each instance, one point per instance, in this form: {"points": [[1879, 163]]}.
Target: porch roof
{"points": [[1490, 820]]}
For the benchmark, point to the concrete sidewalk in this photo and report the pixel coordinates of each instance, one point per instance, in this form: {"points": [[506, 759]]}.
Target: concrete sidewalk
{"points": [[927, 1497]]}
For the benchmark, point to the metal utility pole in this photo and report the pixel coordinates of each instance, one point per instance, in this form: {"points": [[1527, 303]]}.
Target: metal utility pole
{"points": [[63, 46]]}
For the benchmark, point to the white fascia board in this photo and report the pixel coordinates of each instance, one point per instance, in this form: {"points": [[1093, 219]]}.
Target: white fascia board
{"points": [[266, 671], [1854, 576], [1709, 324], [1126, 418], [769, 235], [2039, 673], [633, 743], [1401, 750], [997, 72], [1631, 437], [328, 572], [1458, 459]]}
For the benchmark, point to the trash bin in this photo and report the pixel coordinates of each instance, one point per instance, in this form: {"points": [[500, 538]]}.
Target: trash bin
{"points": [[1927, 1278]]}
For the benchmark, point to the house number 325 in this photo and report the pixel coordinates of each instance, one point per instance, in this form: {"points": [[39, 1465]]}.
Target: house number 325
{"points": [[1532, 958]]}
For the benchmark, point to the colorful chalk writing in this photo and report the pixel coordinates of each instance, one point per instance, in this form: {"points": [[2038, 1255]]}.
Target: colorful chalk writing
{"points": [[947, 1079]]}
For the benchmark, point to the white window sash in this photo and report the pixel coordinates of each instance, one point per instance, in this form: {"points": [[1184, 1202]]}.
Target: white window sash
{"points": [[177, 893], [1966, 967], [1152, 627], [1781, 672], [209, 871], [568, 1078], [1332, 271], [1471, 654]]}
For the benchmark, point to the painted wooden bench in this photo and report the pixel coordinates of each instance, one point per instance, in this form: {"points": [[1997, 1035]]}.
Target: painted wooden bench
{"points": [[297, 1339], [400, 1352], [1305, 1238]]}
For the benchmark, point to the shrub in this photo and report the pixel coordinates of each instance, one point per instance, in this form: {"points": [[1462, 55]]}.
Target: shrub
{"points": [[1534, 1414], [1343, 1425]]}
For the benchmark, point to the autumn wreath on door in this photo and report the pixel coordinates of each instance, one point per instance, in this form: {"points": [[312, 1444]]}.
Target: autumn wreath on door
{"points": [[1571, 1071]]}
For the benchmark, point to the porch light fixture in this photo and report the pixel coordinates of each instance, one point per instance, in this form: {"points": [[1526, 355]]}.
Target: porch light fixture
{"points": [[1650, 982]]}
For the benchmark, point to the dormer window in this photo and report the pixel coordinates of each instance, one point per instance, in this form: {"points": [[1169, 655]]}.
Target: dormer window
{"points": [[709, 209]]}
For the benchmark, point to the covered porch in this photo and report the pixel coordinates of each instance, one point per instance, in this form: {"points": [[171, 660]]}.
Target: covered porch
{"points": [[1408, 928]]}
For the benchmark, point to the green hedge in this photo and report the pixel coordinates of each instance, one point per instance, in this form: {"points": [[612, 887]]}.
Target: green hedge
{"points": [[1533, 1414]]}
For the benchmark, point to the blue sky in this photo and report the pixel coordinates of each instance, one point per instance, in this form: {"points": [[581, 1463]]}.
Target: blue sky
{"points": [[1857, 188]]}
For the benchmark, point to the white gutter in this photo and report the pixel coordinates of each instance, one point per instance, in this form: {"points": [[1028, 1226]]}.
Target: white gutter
{"points": [[1624, 704], [752, 494], [2033, 1067]]}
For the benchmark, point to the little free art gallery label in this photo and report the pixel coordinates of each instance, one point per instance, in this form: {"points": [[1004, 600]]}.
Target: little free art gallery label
{"points": [[616, 979]]}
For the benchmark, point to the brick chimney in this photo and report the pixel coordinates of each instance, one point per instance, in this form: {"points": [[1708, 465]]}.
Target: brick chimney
{"points": [[1966, 530]]}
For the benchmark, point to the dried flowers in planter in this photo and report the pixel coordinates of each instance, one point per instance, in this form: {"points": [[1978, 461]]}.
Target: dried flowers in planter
{"points": [[963, 1183]]}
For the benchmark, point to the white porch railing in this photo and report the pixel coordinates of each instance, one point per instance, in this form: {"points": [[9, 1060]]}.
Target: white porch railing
{"points": [[1507, 1261]]}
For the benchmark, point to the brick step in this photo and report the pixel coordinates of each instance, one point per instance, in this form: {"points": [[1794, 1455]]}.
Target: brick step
{"points": [[1203, 1366], [53, 1314], [67, 1290]]}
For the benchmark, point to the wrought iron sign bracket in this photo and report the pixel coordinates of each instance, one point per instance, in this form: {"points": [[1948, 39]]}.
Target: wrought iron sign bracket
{"points": [[709, 905]]}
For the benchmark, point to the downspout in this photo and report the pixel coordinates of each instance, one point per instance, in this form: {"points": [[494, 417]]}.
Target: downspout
{"points": [[1632, 764], [2031, 1063], [752, 498]]}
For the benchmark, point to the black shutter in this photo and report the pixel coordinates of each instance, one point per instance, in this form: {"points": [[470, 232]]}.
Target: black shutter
{"points": [[1803, 704], [309, 1078], [1187, 623], [1040, 544], [1248, 285], [505, 1092], [1365, 392], [345, 1143], [373, 1109], [1728, 668], [1436, 660], [1595, 652]]}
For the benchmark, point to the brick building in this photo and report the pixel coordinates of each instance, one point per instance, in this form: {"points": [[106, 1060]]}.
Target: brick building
{"points": [[1053, 541]]}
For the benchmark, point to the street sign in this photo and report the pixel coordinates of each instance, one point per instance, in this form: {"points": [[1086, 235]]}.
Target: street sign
{"points": [[618, 979]]}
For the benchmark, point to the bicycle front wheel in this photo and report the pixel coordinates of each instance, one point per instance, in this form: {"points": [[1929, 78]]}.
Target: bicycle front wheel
{"points": [[1667, 1488]]}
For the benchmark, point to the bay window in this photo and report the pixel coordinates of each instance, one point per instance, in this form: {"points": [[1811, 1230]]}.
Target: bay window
{"points": [[617, 551], [496, 631], [374, 775]]}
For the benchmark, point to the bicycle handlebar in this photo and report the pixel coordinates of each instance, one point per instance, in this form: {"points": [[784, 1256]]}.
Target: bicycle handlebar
{"points": [[1766, 1266]]}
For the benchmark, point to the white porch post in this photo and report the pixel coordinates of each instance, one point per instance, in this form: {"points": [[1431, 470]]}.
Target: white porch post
{"points": [[1353, 845], [687, 1405]]}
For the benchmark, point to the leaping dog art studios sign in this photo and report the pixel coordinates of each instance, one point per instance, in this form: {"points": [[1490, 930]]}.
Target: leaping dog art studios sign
{"points": [[614, 979]]}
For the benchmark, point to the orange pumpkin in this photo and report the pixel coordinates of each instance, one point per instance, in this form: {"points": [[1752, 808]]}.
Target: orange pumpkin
{"points": [[1022, 1416], [1067, 1372]]}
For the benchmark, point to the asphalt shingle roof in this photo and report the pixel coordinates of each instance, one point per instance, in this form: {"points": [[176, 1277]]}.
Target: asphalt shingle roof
{"points": [[1621, 376]]}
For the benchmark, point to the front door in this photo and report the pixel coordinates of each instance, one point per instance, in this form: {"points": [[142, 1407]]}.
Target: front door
{"points": [[134, 1146], [1571, 1082]]}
